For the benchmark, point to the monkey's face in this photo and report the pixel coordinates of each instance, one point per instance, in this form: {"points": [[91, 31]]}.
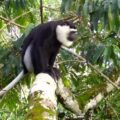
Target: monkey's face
{"points": [[66, 33]]}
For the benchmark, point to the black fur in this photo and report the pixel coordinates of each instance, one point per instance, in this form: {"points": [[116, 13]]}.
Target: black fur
{"points": [[44, 46]]}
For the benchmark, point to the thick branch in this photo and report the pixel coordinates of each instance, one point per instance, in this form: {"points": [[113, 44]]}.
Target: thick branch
{"points": [[66, 98], [93, 102], [42, 99]]}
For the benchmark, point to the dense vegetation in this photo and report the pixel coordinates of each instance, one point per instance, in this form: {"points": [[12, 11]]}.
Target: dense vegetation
{"points": [[98, 45]]}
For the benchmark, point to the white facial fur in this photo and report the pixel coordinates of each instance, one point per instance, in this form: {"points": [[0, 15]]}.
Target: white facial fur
{"points": [[62, 34]]}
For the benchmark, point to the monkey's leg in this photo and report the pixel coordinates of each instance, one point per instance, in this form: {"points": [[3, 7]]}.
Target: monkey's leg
{"points": [[39, 59]]}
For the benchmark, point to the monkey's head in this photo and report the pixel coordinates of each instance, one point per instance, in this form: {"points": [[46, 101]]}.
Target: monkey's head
{"points": [[66, 33]]}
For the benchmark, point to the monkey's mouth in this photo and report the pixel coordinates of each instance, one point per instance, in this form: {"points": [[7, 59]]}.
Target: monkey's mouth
{"points": [[72, 36]]}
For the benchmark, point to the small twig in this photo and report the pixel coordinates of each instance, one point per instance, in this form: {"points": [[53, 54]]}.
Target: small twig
{"points": [[70, 61], [14, 19], [41, 10], [11, 22], [103, 75], [98, 71], [54, 9]]}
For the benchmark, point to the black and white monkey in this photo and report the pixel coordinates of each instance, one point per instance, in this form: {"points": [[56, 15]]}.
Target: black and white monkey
{"points": [[41, 46]]}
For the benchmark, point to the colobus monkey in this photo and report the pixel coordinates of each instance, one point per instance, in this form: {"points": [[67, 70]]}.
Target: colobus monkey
{"points": [[41, 46]]}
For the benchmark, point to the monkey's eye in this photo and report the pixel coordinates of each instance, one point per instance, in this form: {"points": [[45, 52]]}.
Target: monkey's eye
{"points": [[73, 32]]}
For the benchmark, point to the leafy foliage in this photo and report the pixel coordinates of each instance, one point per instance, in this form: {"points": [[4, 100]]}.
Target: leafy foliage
{"points": [[98, 42]]}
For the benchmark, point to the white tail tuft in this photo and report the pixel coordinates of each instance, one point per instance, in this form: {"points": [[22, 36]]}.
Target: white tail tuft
{"points": [[12, 84]]}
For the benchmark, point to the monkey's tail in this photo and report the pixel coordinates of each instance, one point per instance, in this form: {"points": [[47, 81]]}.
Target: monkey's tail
{"points": [[12, 84]]}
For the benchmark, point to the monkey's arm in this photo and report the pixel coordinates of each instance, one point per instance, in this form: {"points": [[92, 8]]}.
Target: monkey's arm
{"points": [[52, 60], [12, 84], [54, 72]]}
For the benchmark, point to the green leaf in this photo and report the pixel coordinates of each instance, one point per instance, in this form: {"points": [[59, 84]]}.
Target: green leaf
{"points": [[65, 6], [29, 28], [85, 7], [79, 10], [105, 19], [16, 4], [67, 82], [7, 3], [118, 4], [107, 52], [116, 49], [22, 3], [74, 78], [98, 53]]}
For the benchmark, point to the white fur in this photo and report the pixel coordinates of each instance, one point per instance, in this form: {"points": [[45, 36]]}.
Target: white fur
{"points": [[72, 29], [27, 59], [12, 84], [62, 34]]}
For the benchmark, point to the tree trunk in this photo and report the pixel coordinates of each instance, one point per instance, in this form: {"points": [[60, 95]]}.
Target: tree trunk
{"points": [[42, 99]]}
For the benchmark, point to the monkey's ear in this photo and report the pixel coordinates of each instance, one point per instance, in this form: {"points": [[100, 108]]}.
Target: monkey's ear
{"points": [[66, 22], [70, 24]]}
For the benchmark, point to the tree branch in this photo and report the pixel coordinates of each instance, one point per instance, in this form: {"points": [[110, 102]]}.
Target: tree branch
{"points": [[93, 102], [11, 22], [42, 99], [66, 98], [94, 68], [14, 19], [41, 10]]}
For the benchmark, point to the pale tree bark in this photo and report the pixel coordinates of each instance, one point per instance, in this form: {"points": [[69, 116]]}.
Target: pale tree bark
{"points": [[94, 102], [67, 99], [101, 95], [42, 99]]}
